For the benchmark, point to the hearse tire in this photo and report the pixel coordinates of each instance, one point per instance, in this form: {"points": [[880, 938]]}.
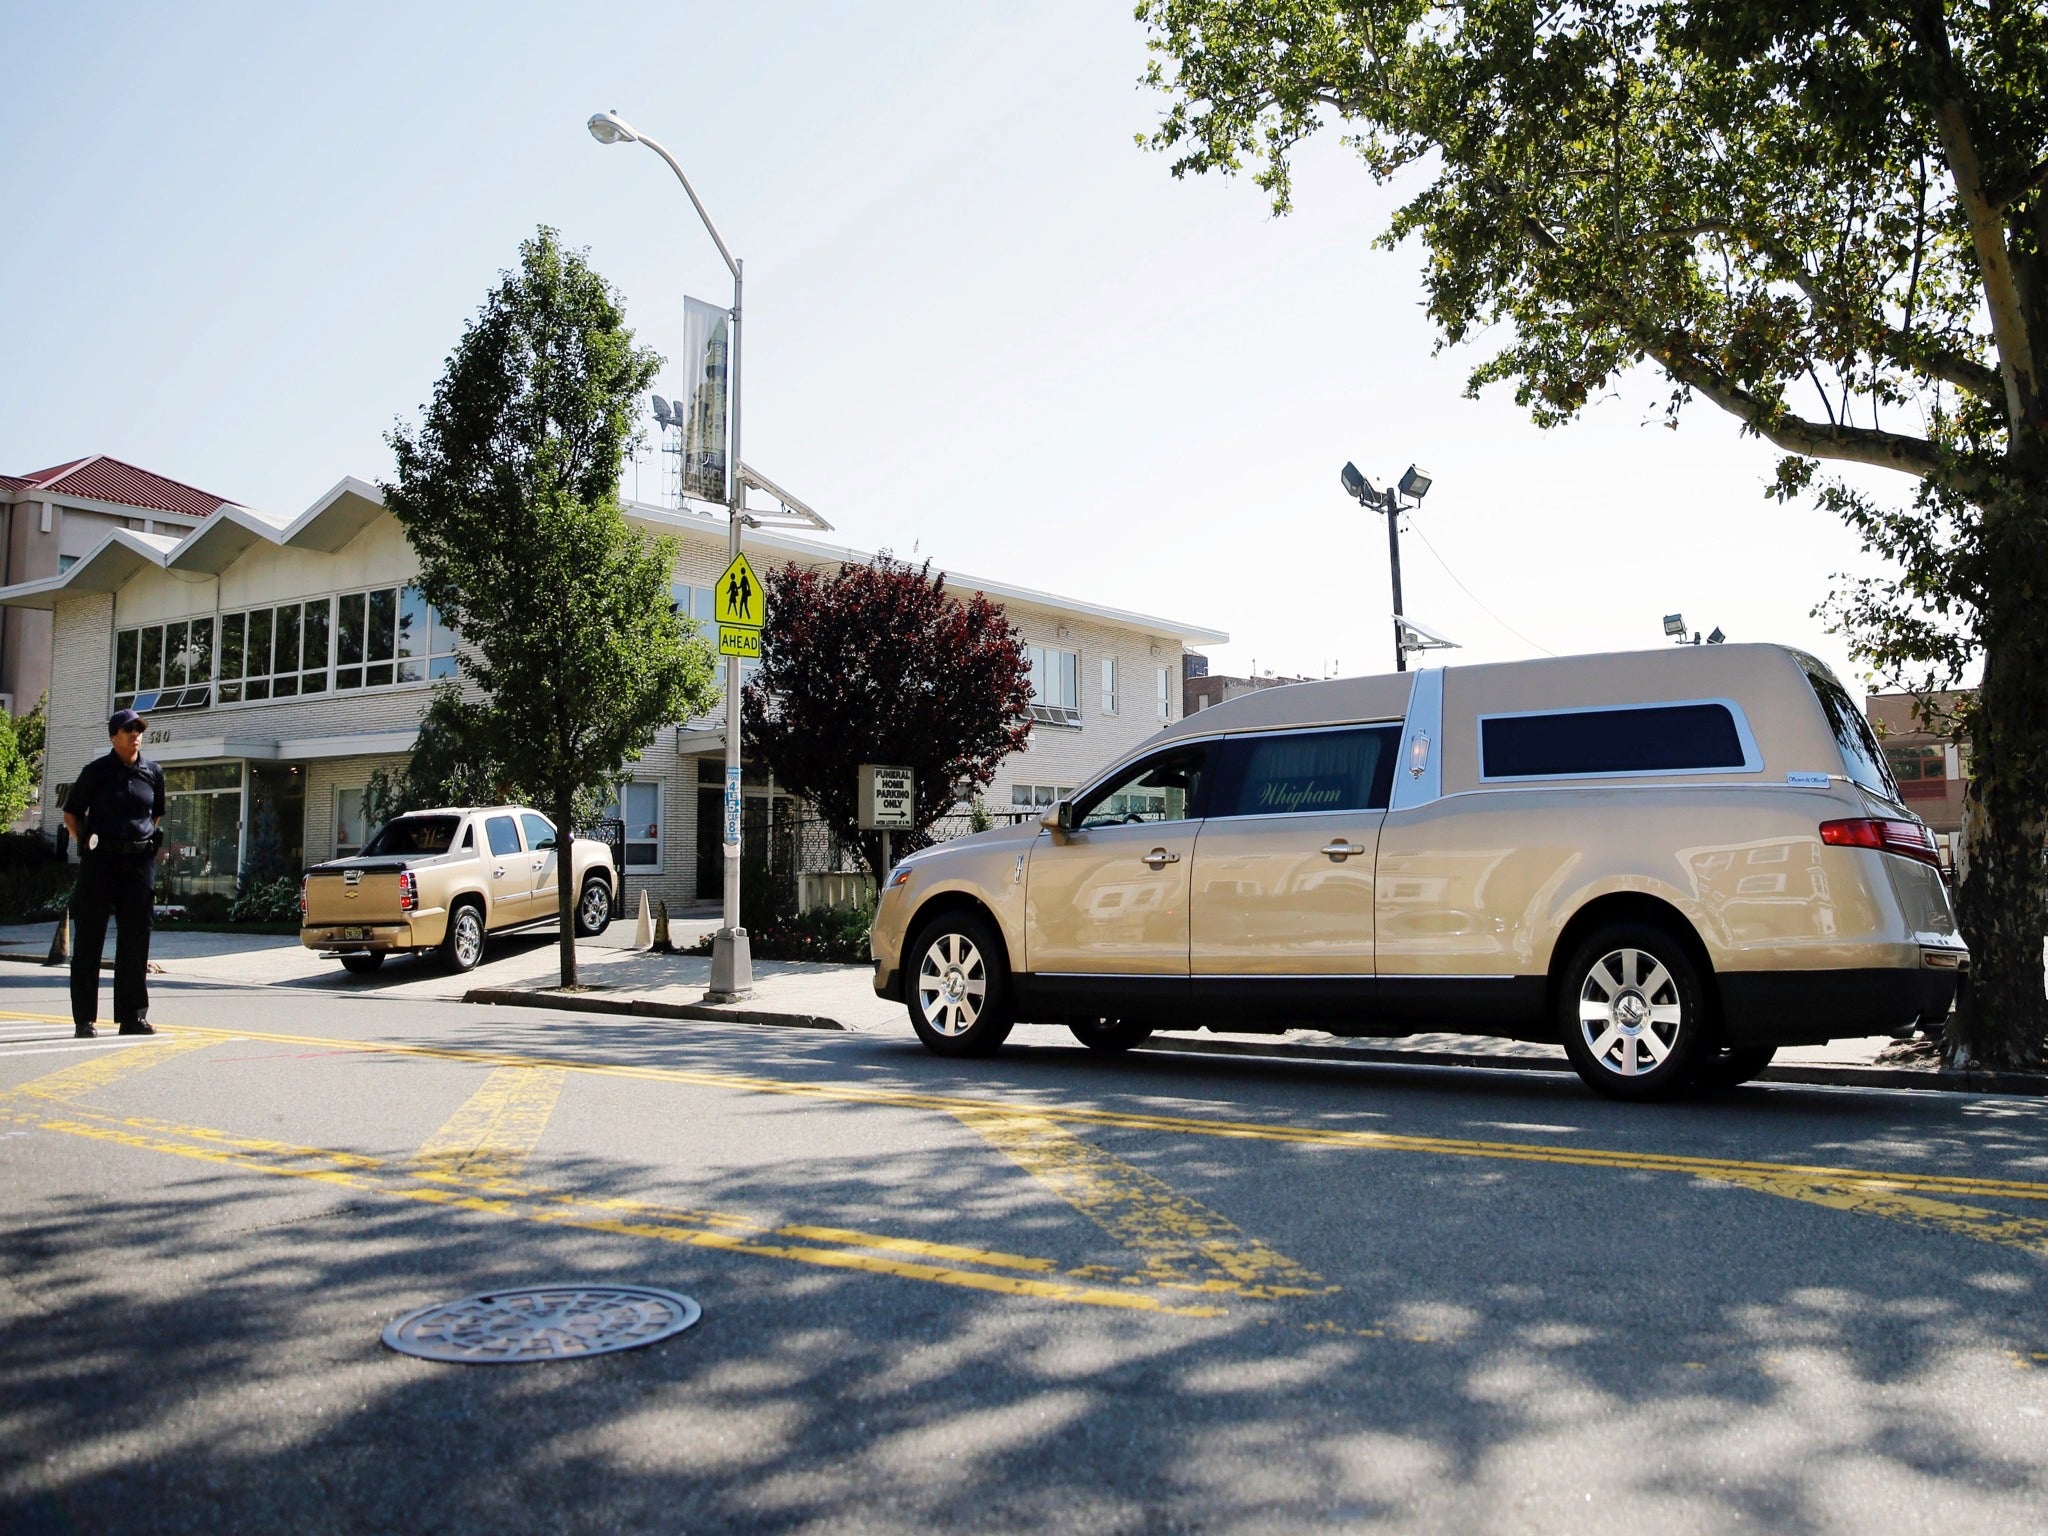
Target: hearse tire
{"points": [[1110, 1035], [1632, 1011], [958, 989], [1730, 1066]]}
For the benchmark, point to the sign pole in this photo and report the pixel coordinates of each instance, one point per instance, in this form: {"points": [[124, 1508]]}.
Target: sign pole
{"points": [[732, 957]]}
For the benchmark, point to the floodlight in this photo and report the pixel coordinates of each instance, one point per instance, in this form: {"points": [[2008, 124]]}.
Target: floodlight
{"points": [[1355, 485], [1414, 484], [1716, 637], [661, 411], [610, 128], [1674, 624]]}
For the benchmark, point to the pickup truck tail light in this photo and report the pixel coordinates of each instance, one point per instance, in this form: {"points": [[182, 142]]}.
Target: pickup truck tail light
{"points": [[1908, 839], [302, 896], [408, 891]]}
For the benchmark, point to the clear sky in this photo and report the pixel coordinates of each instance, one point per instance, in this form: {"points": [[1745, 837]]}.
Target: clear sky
{"points": [[981, 324]]}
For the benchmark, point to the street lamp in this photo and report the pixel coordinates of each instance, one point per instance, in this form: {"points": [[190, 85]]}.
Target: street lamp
{"points": [[732, 960], [1414, 485]]}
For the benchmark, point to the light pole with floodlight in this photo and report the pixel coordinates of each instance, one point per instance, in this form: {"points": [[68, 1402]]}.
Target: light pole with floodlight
{"points": [[1414, 485], [732, 961]]}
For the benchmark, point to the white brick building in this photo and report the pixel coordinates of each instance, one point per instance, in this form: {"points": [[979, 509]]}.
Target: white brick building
{"points": [[266, 762]]}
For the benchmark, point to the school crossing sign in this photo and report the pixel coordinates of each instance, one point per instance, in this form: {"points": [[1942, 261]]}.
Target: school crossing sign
{"points": [[741, 608]]}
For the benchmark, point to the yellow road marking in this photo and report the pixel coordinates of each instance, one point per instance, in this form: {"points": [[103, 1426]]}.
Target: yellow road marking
{"points": [[110, 1066], [1307, 1135], [1185, 1245], [492, 1135], [1869, 1198], [1818, 1183], [506, 1198]]}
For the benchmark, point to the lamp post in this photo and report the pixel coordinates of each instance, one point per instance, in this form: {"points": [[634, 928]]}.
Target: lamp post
{"points": [[1414, 485], [732, 961]]}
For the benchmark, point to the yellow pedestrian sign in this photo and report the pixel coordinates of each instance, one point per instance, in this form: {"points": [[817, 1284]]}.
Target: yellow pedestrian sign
{"points": [[738, 598], [739, 642]]}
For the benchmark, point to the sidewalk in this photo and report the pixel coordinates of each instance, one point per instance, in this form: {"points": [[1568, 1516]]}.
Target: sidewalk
{"points": [[522, 970]]}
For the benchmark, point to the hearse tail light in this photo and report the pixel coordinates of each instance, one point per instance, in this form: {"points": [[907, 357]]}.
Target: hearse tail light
{"points": [[408, 891], [1908, 839]]}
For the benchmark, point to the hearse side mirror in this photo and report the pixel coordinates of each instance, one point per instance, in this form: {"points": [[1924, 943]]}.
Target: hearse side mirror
{"points": [[1060, 818]]}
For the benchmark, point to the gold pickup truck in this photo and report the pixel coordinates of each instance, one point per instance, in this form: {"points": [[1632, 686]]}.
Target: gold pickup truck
{"points": [[445, 880]]}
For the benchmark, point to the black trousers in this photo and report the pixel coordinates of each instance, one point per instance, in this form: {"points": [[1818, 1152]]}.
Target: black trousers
{"points": [[120, 886]]}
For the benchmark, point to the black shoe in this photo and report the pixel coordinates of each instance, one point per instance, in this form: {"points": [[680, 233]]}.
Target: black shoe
{"points": [[86, 1032], [138, 1027]]}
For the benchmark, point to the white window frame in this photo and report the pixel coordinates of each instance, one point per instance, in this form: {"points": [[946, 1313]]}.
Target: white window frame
{"points": [[1108, 670], [1166, 693], [362, 793], [155, 696], [617, 811], [1054, 672]]}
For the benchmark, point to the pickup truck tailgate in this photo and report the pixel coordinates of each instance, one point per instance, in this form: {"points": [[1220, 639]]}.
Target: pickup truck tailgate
{"points": [[356, 897]]}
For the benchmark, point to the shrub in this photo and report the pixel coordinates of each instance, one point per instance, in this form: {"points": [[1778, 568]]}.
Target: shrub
{"points": [[267, 901]]}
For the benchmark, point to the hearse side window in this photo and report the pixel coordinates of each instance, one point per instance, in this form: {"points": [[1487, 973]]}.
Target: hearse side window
{"points": [[1290, 772], [1651, 738], [1861, 755], [1162, 788]]}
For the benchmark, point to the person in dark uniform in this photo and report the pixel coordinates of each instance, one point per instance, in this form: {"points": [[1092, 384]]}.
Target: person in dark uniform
{"points": [[112, 815]]}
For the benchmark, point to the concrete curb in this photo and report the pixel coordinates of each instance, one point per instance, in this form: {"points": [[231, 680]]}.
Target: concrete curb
{"points": [[2015, 1083], [643, 1008], [2020, 1083], [61, 965]]}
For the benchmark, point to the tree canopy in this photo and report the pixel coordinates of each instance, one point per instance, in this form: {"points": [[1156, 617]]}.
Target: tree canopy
{"points": [[880, 664], [509, 494], [1824, 218]]}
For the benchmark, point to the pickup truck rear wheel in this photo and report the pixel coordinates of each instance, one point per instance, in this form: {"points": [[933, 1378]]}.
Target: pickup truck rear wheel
{"points": [[594, 907], [362, 965], [463, 945]]}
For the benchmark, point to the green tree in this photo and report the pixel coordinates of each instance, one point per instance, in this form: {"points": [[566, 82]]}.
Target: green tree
{"points": [[21, 765], [880, 664], [1827, 219], [509, 494]]}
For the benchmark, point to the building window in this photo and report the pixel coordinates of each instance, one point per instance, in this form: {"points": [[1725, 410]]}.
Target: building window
{"points": [[349, 831], [639, 807], [275, 653], [1166, 693], [1921, 769], [65, 562], [1055, 685], [389, 635], [696, 604], [1109, 685], [158, 667], [1038, 797]]}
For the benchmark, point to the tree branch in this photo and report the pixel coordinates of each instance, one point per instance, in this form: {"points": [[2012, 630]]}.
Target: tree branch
{"points": [[2002, 198], [1854, 445]]}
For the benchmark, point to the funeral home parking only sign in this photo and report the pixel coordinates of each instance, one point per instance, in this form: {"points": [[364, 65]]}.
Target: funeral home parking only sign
{"points": [[888, 798]]}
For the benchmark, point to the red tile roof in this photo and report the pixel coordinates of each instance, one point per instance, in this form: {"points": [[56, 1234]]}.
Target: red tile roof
{"points": [[105, 479]]}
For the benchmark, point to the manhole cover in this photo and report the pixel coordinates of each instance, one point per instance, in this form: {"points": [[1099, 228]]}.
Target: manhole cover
{"points": [[541, 1322]]}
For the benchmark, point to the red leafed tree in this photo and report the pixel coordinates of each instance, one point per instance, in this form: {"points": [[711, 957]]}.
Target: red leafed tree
{"points": [[880, 664]]}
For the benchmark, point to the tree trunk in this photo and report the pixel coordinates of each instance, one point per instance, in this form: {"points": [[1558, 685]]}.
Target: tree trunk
{"points": [[2002, 901], [566, 893]]}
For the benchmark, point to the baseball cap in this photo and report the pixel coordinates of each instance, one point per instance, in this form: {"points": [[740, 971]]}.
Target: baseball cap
{"points": [[122, 719]]}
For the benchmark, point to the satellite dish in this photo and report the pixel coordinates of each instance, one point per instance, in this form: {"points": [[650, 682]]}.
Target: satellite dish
{"points": [[661, 412]]}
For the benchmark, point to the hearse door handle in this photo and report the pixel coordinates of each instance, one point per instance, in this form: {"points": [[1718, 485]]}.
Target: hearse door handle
{"points": [[1159, 858], [1342, 851]]}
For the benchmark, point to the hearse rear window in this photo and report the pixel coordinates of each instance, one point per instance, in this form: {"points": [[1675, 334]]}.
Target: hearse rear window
{"points": [[1698, 737]]}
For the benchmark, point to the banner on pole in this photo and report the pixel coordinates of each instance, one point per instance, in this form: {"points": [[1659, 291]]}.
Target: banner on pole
{"points": [[706, 333]]}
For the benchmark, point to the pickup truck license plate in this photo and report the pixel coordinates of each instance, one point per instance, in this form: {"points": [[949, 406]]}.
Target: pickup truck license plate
{"points": [[355, 933]]}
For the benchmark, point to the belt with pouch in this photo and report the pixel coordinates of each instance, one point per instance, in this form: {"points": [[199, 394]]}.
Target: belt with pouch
{"points": [[124, 845]]}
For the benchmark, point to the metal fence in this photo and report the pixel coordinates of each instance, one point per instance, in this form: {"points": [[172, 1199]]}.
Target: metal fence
{"points": [[799, 846]]}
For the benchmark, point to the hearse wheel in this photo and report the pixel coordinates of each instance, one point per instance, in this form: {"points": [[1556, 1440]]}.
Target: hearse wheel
{"points": [[959, 993], [1110, 1034], [1633, 1013]]}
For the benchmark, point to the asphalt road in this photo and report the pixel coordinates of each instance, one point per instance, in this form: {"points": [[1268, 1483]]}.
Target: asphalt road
{"points": [[1048, 1292]]}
